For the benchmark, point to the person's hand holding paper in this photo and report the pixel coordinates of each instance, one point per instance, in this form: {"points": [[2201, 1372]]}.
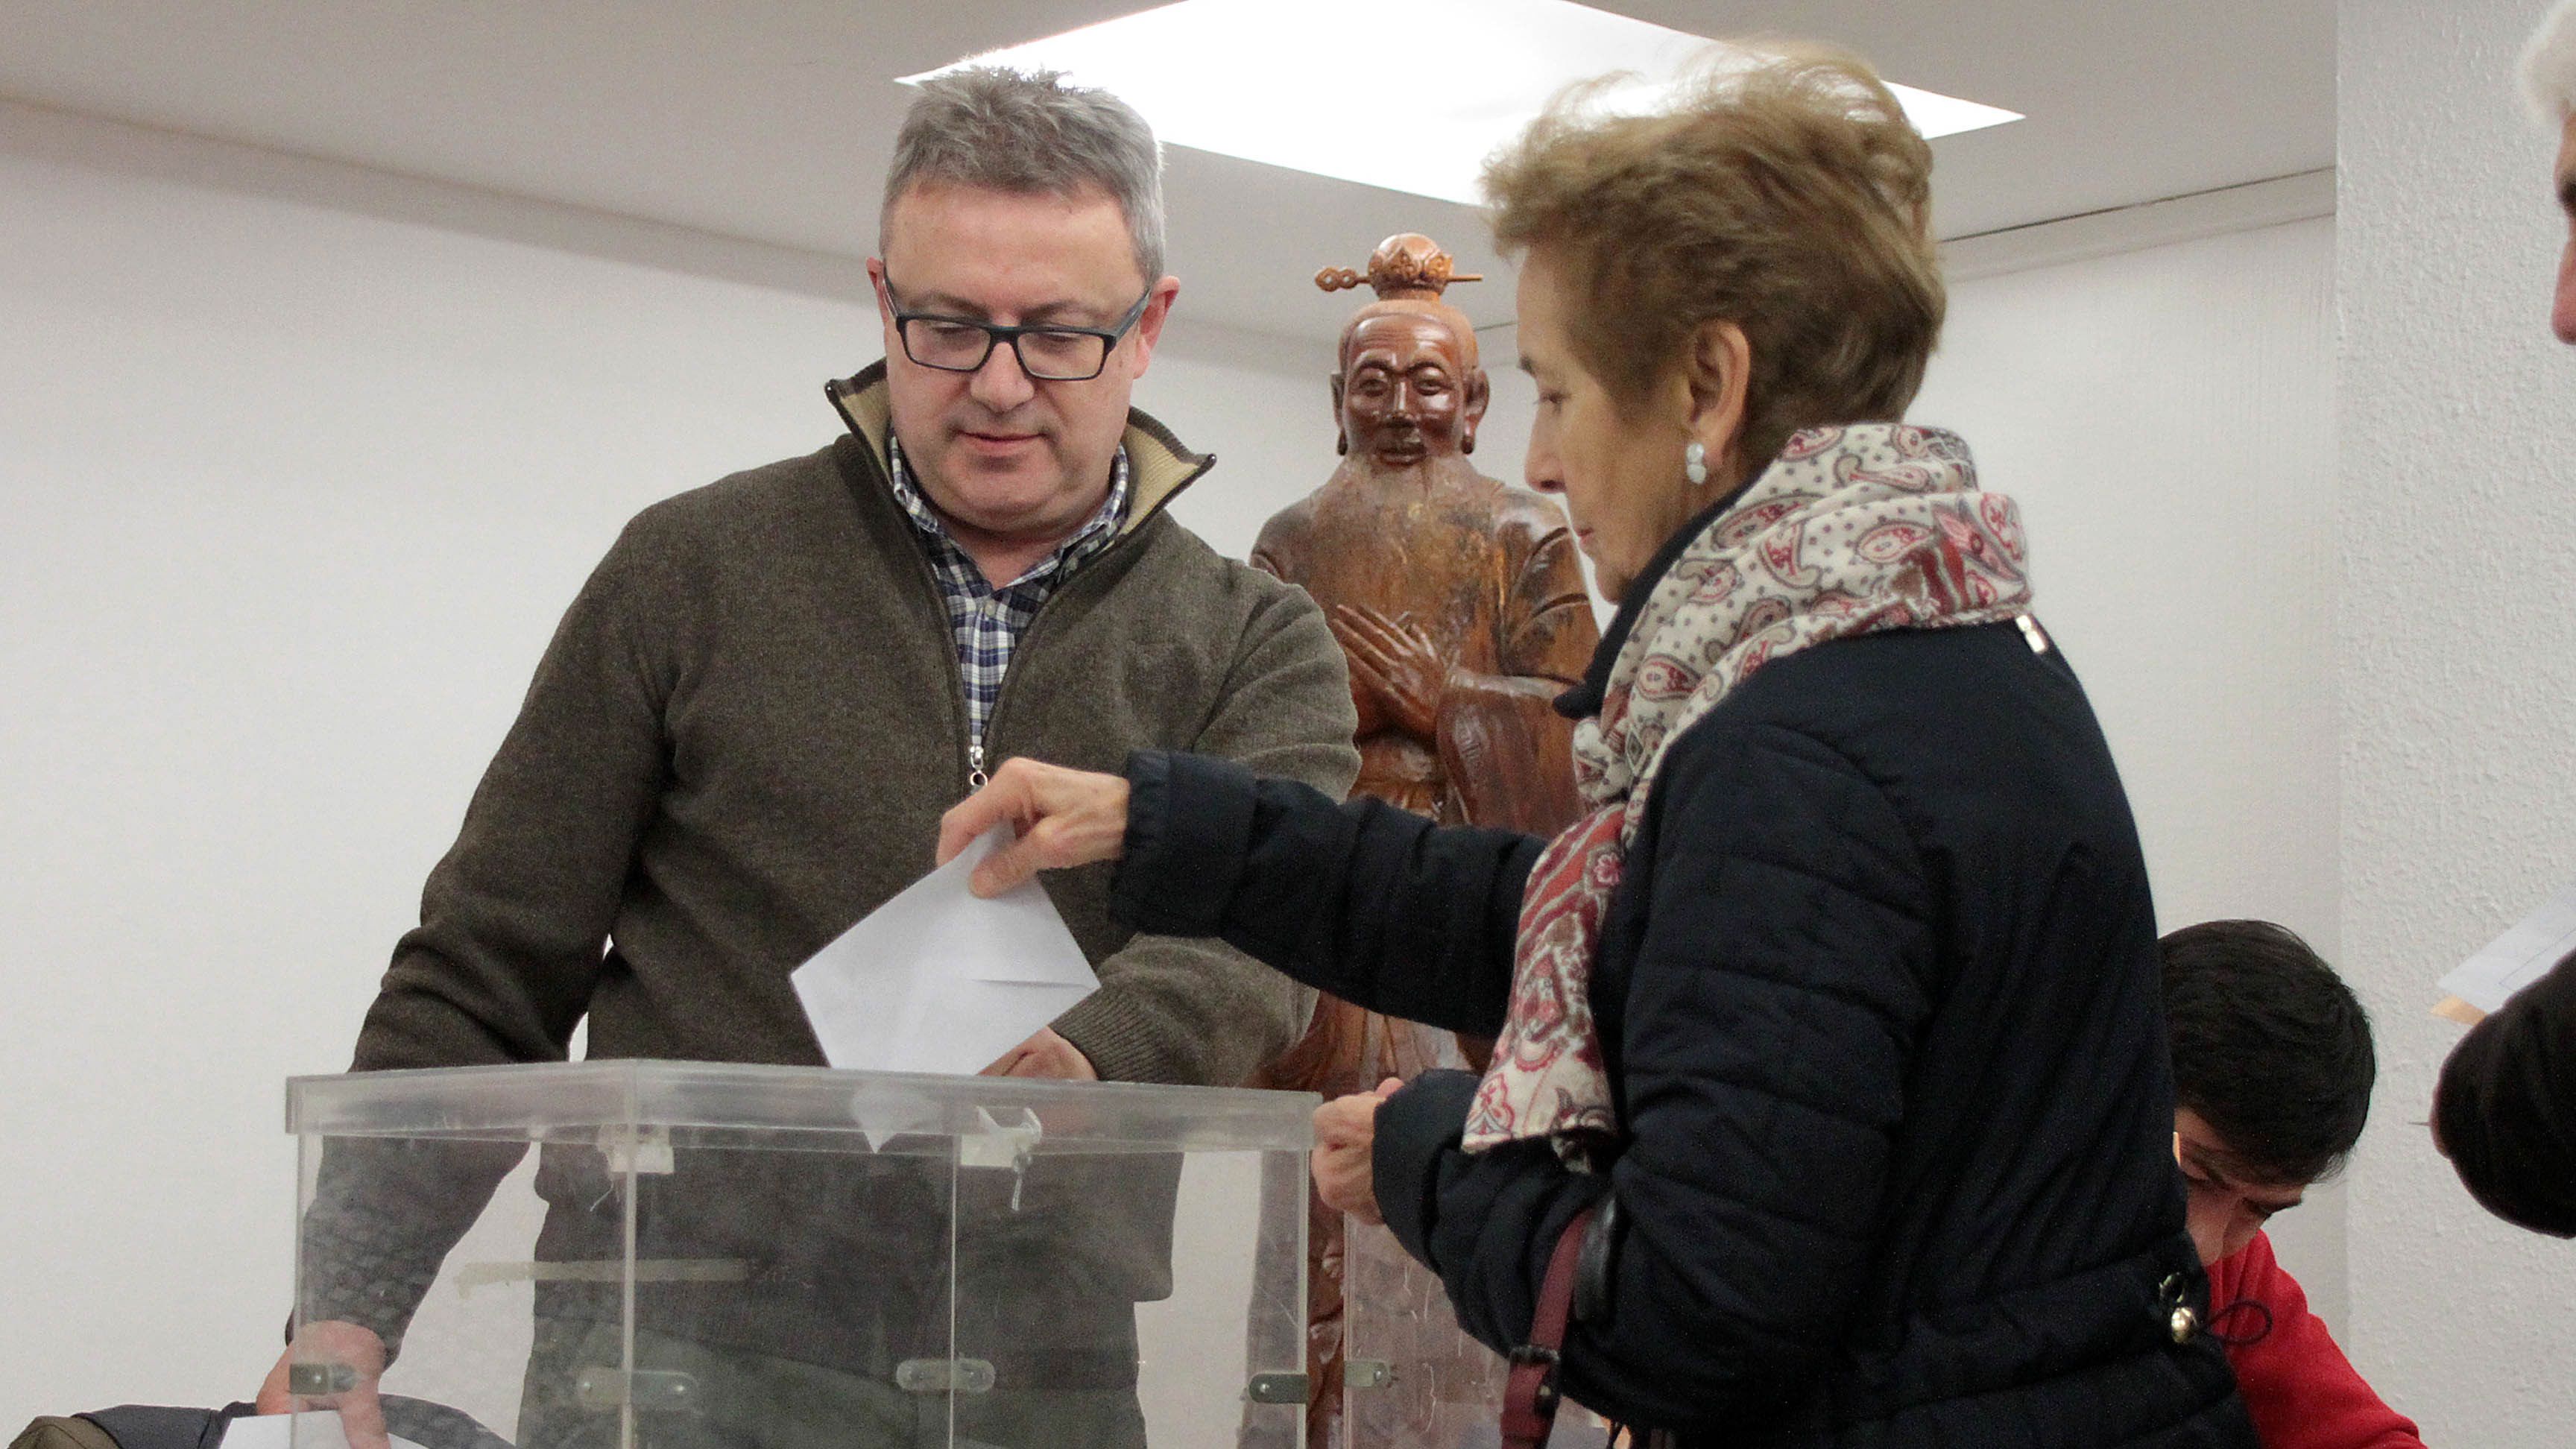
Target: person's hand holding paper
{"points": [[1046, 817], [940, 980], [1044, 1055]]}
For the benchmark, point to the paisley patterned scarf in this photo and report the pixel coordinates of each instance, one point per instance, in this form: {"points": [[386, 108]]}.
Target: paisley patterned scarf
{"points": [[1852, 530]]}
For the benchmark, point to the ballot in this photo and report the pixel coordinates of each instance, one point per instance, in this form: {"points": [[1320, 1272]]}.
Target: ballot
{"points": [[2512, 961], [940, 980], [319, 1429]]}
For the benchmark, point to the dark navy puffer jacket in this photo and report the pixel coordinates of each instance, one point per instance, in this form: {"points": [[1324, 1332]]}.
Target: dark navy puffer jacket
{"points": [[1878, 995]]}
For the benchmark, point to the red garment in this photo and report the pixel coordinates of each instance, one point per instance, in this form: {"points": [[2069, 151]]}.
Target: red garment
{"points": [[2301, 1390]]}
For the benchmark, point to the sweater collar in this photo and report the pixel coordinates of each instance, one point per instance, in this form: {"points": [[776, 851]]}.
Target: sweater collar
{"points": [[1158, 466]]}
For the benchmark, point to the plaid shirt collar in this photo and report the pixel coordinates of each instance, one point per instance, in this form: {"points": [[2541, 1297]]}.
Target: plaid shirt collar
{"points": [[1090, 539], [985, 621]]}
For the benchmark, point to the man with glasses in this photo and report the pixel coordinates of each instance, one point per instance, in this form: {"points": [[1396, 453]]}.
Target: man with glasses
{"points": [[741, 741]]}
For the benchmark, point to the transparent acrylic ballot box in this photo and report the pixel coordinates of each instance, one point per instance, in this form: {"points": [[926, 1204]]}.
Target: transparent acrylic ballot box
{"points": [[734, 1257], [1411, 1377]]}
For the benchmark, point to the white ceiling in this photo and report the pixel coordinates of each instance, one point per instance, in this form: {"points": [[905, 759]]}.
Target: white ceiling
{"points": [[771, 120]]}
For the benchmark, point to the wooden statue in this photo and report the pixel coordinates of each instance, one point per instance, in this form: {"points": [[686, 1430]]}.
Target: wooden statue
{"points": [[1461, 607], [1456, 597]]}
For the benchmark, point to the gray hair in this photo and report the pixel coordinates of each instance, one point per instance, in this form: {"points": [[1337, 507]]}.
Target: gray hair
{"points": [[1028, 132], [2549, 67]]}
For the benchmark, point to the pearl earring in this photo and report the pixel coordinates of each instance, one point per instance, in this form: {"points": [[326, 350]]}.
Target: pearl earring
{"points": [[1695, 463]]}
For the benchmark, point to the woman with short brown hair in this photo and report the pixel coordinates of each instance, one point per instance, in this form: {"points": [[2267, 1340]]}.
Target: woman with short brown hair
{"points": [[1792, 198], [1835, 1021]]}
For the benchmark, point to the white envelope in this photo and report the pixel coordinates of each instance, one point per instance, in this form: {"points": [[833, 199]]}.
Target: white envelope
{"points": [[316, 1429], [2519, 957], [938, 980]]}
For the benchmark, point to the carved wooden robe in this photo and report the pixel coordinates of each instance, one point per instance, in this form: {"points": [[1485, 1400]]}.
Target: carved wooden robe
{"points": [[1462, 606]]}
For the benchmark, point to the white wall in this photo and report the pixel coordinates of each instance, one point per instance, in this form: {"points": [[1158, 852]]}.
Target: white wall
{"points": [[2457, 420], [300, 465], [2165, 418]]}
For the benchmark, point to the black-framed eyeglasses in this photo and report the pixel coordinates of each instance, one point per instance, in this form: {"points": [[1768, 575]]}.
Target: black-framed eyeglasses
{"points": [[1047, 351]]}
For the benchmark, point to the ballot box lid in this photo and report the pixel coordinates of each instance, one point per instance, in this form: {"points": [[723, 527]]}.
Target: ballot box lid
{"points": [[556, 1099]]}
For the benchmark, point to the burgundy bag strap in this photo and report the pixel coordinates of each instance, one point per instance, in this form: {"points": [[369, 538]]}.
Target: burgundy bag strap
{"points": [[1530, 1394]]}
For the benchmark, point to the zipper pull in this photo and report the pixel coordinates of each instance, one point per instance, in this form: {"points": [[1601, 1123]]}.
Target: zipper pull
{"points": [[976, 779]]}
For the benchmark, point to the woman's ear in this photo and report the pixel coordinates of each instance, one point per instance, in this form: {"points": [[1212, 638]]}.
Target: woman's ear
{"points": [[1715, 373]]}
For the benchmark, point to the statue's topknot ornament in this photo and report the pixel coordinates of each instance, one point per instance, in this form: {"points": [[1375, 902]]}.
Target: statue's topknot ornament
{"points": [[1407, 266]]}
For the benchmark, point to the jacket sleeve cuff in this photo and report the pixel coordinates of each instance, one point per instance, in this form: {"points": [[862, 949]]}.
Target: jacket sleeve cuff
{"points": [[1189, 824], [1415, 1128]]}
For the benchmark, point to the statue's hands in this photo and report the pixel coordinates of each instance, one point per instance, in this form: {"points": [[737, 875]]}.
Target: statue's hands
{"points": [[1372, 718], [1399, 664]]}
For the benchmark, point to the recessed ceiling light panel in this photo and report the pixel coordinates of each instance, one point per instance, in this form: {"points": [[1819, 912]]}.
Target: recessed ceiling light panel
{"points": [[1411, 96]]}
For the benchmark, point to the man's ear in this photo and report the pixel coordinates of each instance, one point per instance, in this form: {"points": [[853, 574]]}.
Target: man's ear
{"points": [[1149, 325], [885, 299], [1471, 411], [1341, 432], [1716, 370]]}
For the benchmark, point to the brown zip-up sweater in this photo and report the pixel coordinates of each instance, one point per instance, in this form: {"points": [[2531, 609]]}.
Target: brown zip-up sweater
{"points": [[739, 742], [743, 736]]}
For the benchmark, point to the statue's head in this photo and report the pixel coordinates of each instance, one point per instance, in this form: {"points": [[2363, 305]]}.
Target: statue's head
{"points": [[1409, 387]]}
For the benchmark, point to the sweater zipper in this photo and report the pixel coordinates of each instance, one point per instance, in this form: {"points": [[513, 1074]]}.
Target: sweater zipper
{"points": [[938, 604], [976, 775], [993, 721]]}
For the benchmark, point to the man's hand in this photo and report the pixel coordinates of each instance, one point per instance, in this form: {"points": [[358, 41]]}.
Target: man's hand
{"points": [[1345, 1135], [1044, 1055], [346, 1345], [1399, 664], [1064, 818]]}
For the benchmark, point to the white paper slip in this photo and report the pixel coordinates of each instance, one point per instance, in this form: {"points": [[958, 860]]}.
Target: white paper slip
{"points": [[2519, 957], [939, 980], [319, 1429]]}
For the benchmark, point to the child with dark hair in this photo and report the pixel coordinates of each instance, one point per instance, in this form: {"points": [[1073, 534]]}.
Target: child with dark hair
{"points": [[2272, 1071]]}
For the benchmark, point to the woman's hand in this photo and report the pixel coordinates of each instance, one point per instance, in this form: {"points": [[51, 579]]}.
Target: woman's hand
{"points": [[1345, 1135], [1064, 818]]}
